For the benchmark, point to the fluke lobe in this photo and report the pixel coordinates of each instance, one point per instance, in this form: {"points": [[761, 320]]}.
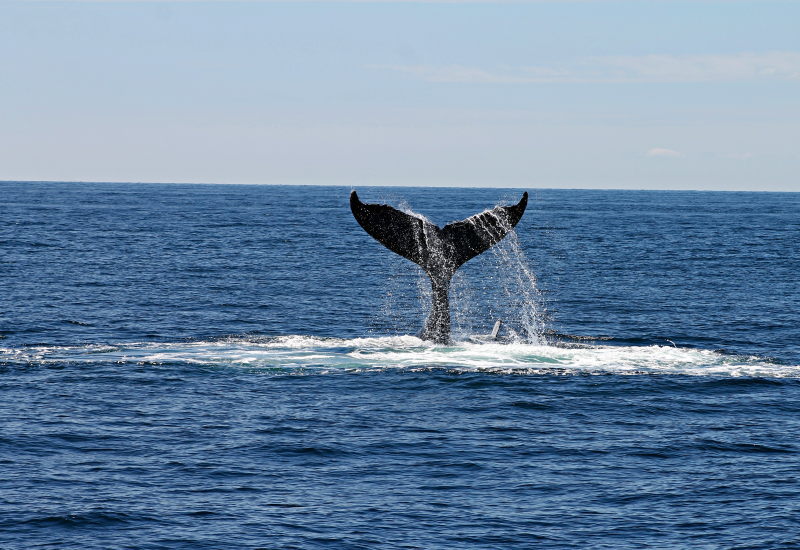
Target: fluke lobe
{"points": [[439, 251]]}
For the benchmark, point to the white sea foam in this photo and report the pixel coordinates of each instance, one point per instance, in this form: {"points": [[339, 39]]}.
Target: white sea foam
{"points": [[309, 354]]}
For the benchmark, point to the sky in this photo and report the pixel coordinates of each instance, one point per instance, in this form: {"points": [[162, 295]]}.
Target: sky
{"points": [[636, 94]]}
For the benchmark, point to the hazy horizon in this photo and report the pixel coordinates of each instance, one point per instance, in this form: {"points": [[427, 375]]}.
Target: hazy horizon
{"points": [[611, 94], [354, 186]]}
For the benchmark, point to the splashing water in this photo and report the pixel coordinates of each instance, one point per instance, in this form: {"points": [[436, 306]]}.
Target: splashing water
{"points": [[313, 355], [503, 275], [517, 299], [439, 251]]}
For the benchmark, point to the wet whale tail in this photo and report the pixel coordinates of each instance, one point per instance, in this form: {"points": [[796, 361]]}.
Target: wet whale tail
{"points": [[439, 251]]}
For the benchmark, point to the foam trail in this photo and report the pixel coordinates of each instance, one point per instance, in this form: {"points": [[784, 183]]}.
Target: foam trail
{"points": [[302, 354]]}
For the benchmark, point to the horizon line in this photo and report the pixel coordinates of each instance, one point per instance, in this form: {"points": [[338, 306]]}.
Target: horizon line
{"points": [[353, 186]]}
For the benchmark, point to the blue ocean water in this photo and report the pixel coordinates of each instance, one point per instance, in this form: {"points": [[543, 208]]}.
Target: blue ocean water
{"points": [[214, 366]]}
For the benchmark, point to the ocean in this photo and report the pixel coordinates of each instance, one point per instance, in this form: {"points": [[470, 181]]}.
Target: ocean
{"points": [[222, 366]]}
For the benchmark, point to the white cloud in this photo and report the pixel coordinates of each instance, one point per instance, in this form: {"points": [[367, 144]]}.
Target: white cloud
{"points": [[704, 68], [742, 67], [663, 152]]}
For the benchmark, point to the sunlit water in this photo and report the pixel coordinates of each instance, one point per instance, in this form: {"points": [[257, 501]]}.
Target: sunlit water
{"points": [[237, 367]]}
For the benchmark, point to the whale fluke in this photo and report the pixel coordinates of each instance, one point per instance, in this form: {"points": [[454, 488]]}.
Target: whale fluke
{"points": [[438, 251]]}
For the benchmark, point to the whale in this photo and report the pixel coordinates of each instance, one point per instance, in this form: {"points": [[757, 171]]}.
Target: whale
{"points": [[439, 251]]}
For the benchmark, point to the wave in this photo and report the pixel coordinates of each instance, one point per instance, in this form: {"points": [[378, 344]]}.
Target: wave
{"points": [[309, 354]]}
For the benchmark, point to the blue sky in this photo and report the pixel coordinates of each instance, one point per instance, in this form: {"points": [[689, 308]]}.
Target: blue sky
{"points": [[591, 94]]}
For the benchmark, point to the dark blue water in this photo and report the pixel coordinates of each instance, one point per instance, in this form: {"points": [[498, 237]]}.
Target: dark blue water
{"points": [[235, 367]]}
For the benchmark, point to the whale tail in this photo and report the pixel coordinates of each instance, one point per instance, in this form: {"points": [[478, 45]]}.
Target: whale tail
{"points": [[438, 251]]}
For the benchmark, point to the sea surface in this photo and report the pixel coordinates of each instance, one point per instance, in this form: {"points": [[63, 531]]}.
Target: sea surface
{"points": [[225, 367]]}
